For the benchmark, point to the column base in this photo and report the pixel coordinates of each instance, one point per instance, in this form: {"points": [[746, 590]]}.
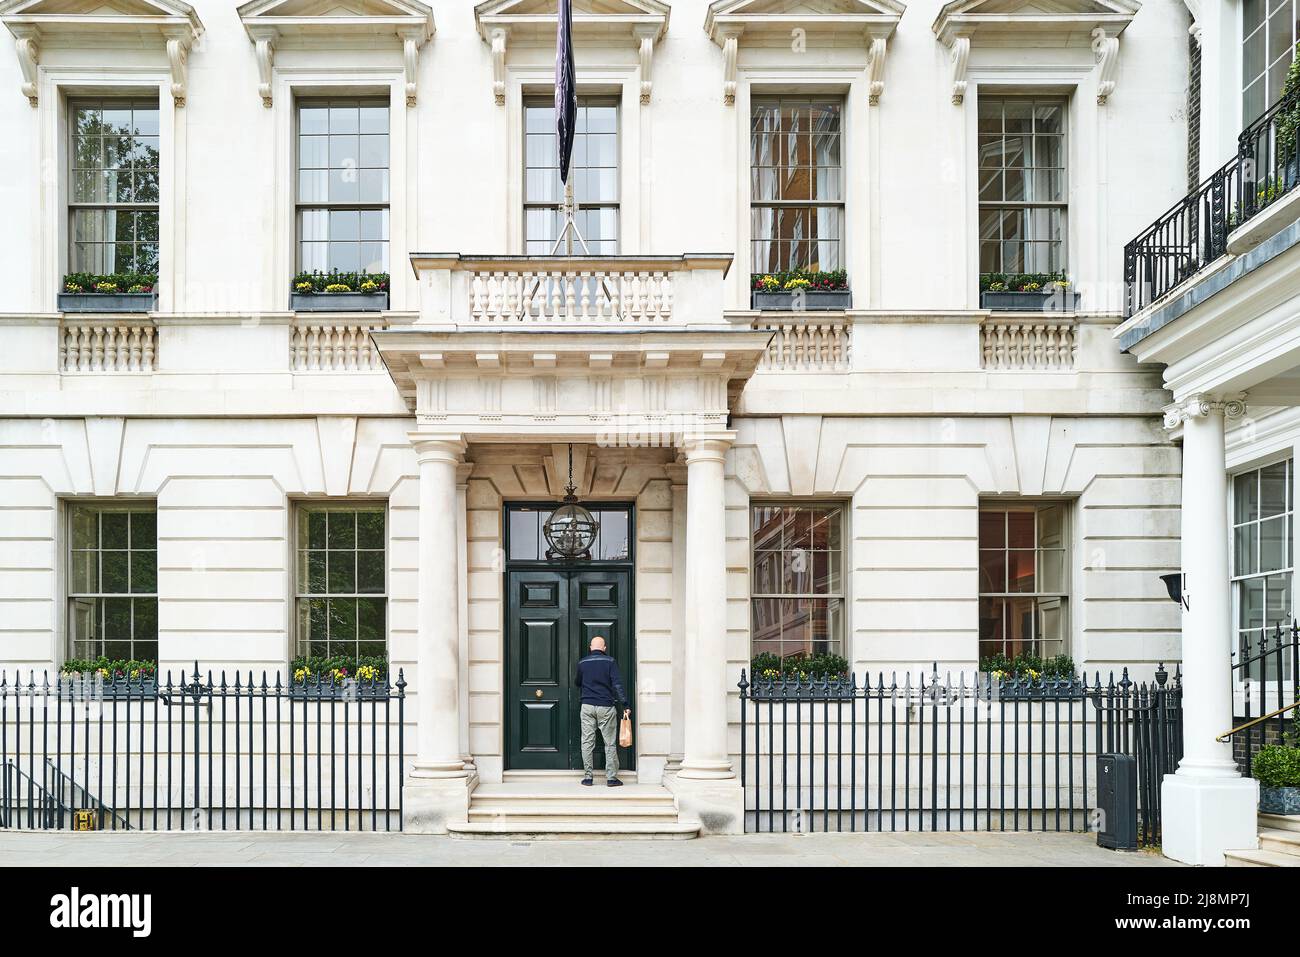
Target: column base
{"points": [[1201, 817], [717, 805], [429, 804]]}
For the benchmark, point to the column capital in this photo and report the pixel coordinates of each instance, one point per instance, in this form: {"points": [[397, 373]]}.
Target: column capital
{"points": [[1199, 405], [438, 446], [707, 447]]}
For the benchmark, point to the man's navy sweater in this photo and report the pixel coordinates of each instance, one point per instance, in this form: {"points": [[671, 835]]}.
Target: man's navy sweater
{"points": [[599, 680]]}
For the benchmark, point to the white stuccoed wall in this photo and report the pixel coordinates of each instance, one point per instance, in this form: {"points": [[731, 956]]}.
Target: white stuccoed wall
{"points": [[224, 436]]}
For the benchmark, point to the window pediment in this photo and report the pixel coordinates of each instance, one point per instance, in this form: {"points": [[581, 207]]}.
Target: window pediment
{"points": [[1096, 24], [503, 22], [35, 24], [274, 23], [1072, 20], [873, 20]]}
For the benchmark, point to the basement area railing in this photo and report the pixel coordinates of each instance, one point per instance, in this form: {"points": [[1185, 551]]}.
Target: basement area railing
{"points": [[1263, 674], [931, 753], [1194, 233], [201, 752]]}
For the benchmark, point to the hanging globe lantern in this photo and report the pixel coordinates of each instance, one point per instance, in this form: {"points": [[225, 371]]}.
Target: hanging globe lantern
{"points": [[571, 529]]}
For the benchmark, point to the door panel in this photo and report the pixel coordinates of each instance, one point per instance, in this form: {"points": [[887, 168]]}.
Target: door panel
{"points": [[537, 670], [600, 604]]}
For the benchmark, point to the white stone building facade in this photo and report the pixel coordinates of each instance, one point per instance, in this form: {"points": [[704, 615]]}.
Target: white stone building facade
{"points": [[912, 419]]}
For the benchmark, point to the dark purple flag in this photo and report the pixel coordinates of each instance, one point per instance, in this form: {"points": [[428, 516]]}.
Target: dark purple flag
{"points": [[566, 94]]}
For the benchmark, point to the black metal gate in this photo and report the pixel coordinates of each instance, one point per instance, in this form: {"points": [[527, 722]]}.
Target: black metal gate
{"points": [[201, 754], [931, 754]]}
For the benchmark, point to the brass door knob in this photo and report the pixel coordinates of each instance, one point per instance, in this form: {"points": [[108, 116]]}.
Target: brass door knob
{"points": [[538, 692]]}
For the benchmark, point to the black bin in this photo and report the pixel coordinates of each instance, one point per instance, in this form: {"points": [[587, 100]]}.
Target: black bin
{"points": [[1117, 799]]}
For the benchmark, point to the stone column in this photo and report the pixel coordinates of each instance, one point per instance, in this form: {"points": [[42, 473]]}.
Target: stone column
{"points": [[1208, 807], [463, 472], [707, 788], [437, 788], [677, 716]]}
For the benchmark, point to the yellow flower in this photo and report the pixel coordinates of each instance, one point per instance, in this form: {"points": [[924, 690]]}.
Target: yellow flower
{"points": [[797, 283], [337, 287]]}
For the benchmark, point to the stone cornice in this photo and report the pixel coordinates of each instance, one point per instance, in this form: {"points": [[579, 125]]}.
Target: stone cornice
{"points": [[502, 23], [408, 22], [35, 24], [727, 21]]}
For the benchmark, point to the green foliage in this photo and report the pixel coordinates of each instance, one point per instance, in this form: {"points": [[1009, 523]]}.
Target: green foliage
{"points": [[1026, 665], [1022, 281], [768, 665], [1288, 121], [1277, 766], [84, 282], [119, 668], [320, 282], [820, 281], [312, 668]]}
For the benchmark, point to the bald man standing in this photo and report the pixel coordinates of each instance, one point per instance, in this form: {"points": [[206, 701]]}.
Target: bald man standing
{"points": [[601, 686]]}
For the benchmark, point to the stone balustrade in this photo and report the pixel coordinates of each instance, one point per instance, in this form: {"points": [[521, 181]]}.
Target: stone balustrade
{"points": [[1028, 345], [113, 345], [333, 347], [807, 344], [494, 292]]}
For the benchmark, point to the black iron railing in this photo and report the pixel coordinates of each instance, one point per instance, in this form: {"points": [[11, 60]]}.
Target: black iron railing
{"points": [[1264, 681], [937, 754], [1194, 233], [201, 753]]}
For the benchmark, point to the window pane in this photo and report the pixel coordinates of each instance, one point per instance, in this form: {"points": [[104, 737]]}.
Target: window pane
{"points": [[1273, 489]]}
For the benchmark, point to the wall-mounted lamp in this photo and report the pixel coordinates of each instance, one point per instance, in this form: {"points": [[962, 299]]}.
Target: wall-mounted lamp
{"points": [[1176, 585]]}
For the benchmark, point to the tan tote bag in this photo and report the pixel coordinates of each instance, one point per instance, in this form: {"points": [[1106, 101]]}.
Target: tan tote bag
{"points": [[625, 730]]}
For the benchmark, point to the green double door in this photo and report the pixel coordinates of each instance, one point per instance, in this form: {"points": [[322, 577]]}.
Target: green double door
{"points": [[551, 616]]}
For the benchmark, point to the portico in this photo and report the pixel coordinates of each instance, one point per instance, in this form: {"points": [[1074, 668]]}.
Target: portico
{"points": [[1231, 348], [639, 367]]}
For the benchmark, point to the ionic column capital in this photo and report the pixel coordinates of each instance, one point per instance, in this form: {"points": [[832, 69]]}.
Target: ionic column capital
{"points": [[437, 447], [706, 448], [1200, 405]]}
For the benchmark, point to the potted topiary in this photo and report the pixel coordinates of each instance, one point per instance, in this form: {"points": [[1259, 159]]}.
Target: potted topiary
{"points": [[339, 292], [1277, 769], [111, 292], [801, 290], [1027, 292]]}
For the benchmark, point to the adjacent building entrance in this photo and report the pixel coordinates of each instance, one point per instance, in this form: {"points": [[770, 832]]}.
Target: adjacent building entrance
{"points": [[553, 610]]}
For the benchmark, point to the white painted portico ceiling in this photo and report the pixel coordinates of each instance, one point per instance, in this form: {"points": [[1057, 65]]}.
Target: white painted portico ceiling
{"points": [[77, 19], [1064, 20], [535, 19], [750, 18]]}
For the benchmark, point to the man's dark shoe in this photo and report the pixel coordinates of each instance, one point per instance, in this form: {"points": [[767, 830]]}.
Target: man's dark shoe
{"points": [[586, 782], [614, 783]]}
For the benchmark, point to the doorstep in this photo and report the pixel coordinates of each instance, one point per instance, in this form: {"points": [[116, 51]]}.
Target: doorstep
{"points": [[557, 807]]}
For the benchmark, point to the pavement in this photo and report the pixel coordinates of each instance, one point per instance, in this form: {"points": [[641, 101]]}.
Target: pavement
{"points": [[276, 849]]}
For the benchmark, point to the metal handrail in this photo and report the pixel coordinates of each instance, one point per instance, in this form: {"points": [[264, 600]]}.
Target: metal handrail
{"points": [[1250, 724]]}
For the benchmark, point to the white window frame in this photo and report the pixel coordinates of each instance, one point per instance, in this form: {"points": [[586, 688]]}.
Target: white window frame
{"points": [[289, 85], [1066, 645], [299, 506], [1063, 205], [839, 204], [621, 82], [1281, 455], [71, 596], [58, 85], [844, 639]]}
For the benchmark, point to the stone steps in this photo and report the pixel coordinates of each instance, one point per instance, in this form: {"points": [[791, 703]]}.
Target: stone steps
{"points": [[559, 808], [1279, 844]]}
